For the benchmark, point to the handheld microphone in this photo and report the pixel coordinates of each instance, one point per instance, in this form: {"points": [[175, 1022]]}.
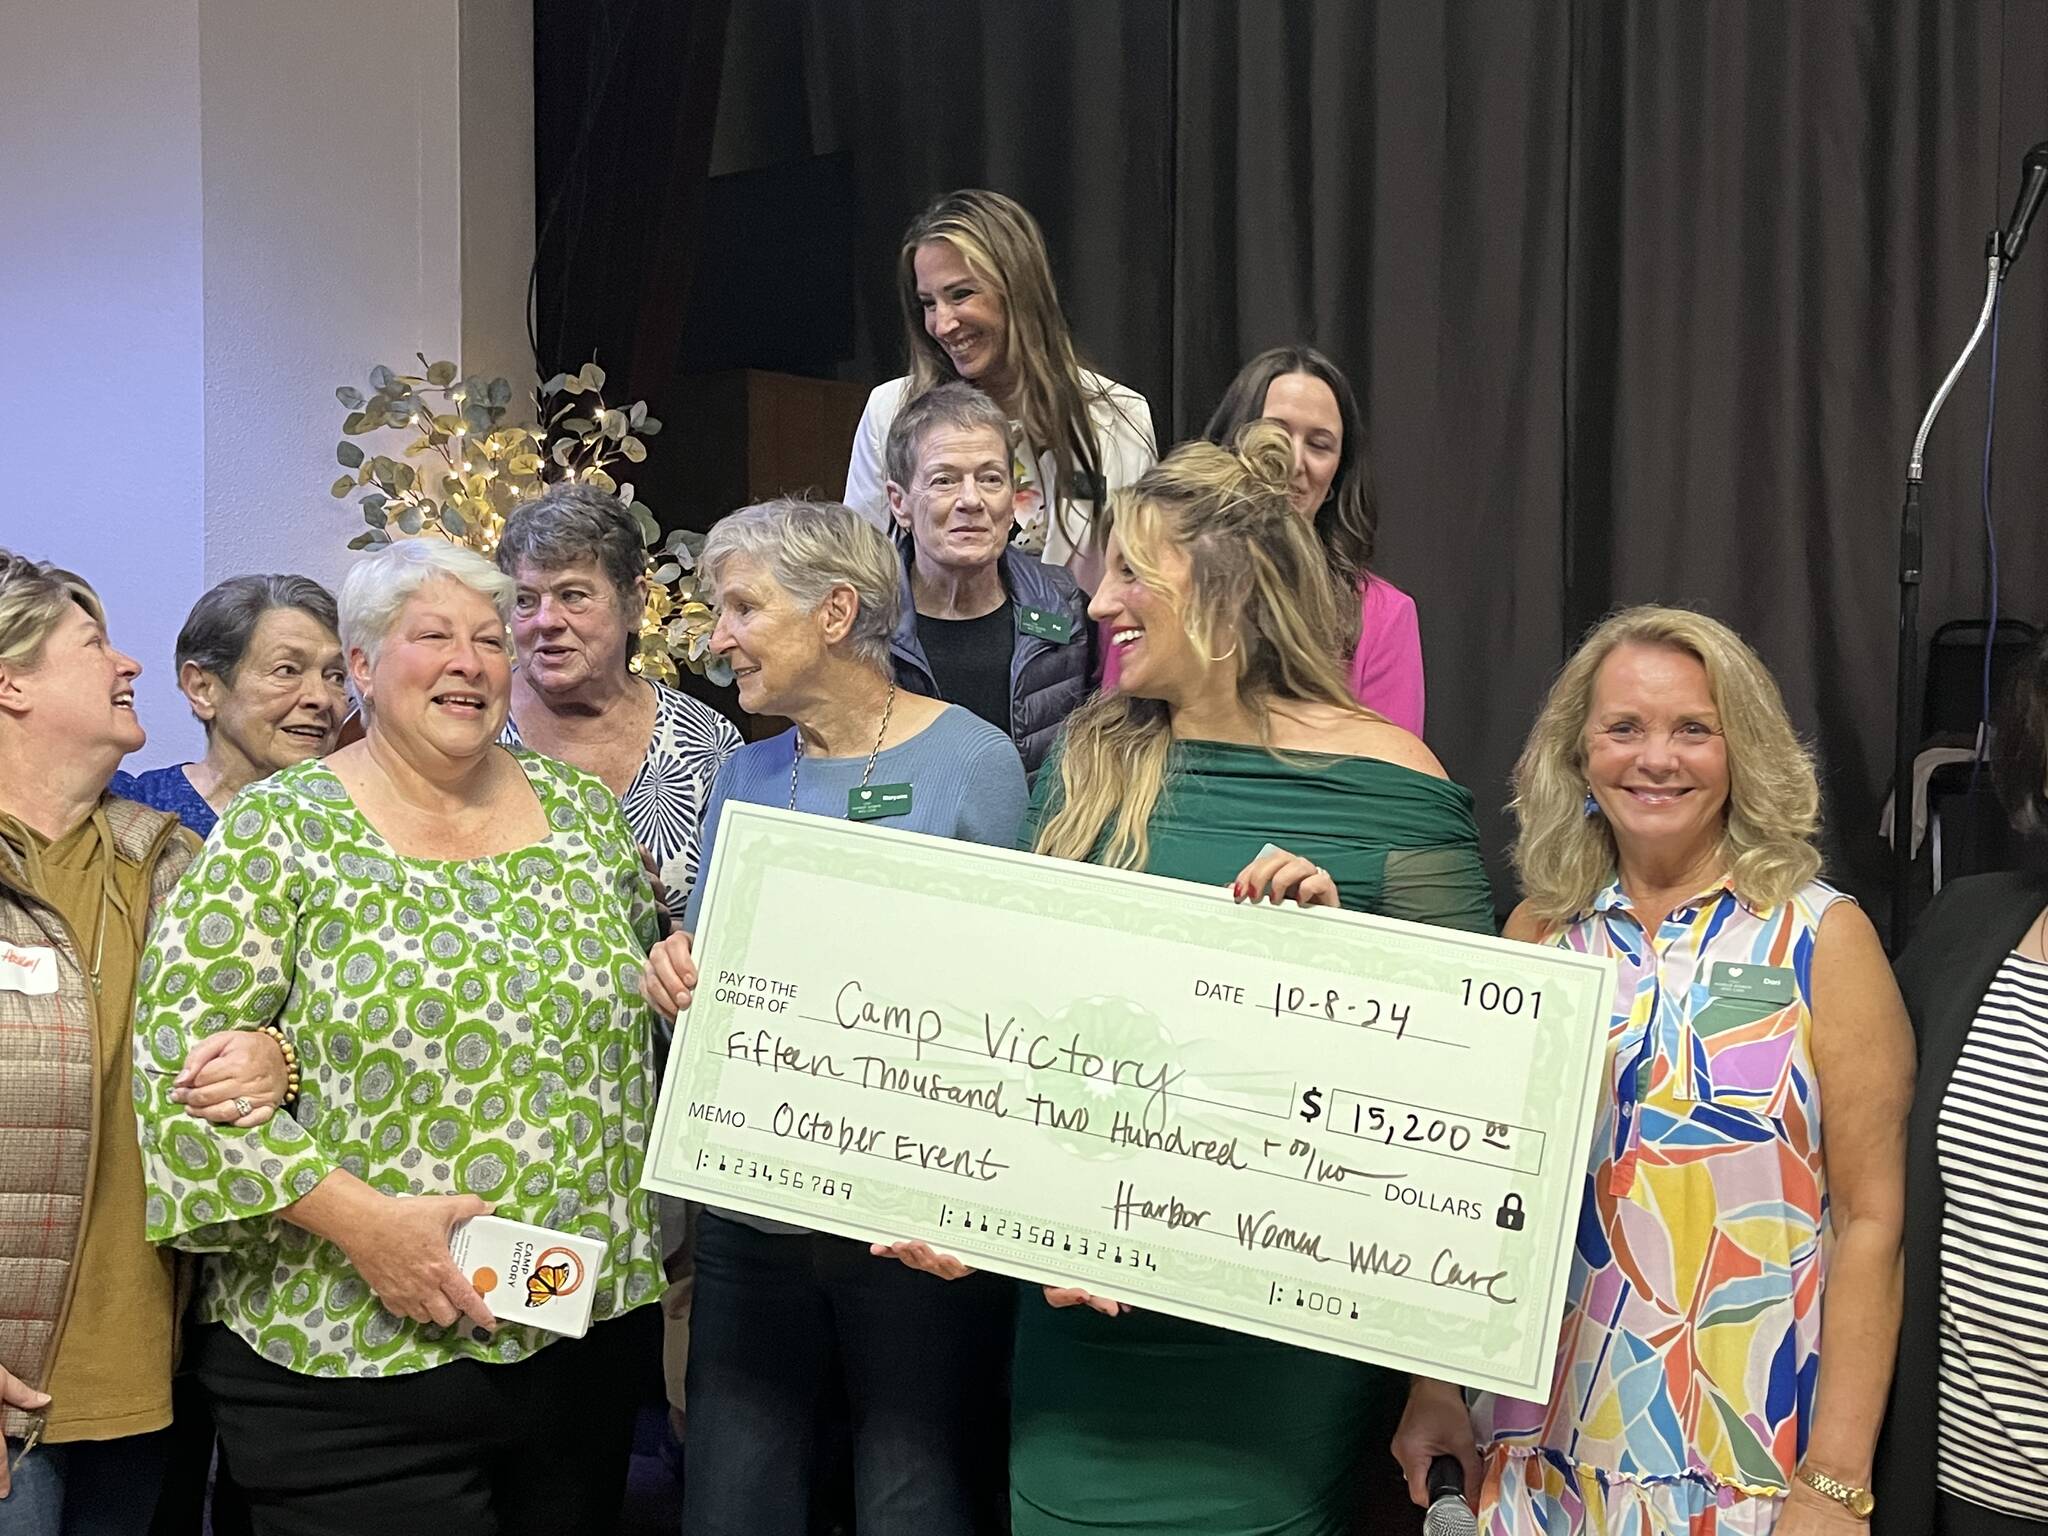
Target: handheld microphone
{"points": [[2033, 185], [1448, 1513]]}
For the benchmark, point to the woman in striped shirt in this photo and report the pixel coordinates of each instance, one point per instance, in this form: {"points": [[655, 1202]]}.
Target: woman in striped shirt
{"points": [[1965, 1449]]}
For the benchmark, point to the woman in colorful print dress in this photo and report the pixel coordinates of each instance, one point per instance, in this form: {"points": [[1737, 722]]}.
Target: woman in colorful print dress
{"points": [[1734, 1302], [452, 934]]}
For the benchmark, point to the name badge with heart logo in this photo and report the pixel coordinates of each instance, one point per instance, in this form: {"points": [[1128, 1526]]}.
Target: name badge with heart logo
{"points": [[1745, 1002], [1772, 984], [1045, 623], [869, 802]]}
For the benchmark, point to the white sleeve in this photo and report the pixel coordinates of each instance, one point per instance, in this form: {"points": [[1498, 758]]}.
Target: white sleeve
{"points": [[1129, 446], [865, 477], [1124, 437]]}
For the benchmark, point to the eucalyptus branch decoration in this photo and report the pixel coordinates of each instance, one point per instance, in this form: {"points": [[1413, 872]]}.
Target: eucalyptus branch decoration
{"points": [[466, 468]]}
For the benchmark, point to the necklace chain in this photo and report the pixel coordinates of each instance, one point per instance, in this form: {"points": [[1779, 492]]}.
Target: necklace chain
{"points": [[866, 773]]}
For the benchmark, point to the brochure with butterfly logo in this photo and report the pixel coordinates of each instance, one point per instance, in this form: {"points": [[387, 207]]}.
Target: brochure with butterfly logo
{"points": [[527, 1274]]}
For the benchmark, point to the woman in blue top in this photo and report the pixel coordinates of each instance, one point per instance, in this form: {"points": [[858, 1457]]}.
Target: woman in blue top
{"points": [[260, 663], [808, 596]]}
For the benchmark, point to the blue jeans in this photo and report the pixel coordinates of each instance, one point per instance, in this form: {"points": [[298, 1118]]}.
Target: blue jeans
{"points": [[85, 1487], [923, 1362]]}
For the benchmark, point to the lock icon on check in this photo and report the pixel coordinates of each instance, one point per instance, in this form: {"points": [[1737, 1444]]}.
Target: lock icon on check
{"points": [[1510, 1216]]}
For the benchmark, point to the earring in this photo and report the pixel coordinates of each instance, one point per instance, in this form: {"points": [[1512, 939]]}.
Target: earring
{"points": [[1592, 806], [1226, 655]]}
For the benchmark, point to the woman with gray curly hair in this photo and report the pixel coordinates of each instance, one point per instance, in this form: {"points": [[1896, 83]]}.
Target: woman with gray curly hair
{"points": [[580, 570], [1732, 1317], [452, 934], [808, 597], [579, 566]]}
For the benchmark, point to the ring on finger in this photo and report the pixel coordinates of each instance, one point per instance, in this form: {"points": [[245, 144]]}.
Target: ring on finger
{"points": [[243, 1107]]}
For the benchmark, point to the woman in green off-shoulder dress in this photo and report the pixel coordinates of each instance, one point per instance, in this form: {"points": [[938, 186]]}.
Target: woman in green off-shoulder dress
{"points": [[1232, 753]]}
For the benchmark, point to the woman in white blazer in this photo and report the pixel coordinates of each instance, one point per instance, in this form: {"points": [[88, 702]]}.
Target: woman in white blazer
{"points": [[979, 304]]}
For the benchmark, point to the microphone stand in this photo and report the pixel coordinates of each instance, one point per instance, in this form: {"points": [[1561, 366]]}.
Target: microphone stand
{"points": [[1905, 729]]}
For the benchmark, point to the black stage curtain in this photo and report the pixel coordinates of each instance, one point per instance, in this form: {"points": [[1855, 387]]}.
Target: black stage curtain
{"points": [[1644, 298]]}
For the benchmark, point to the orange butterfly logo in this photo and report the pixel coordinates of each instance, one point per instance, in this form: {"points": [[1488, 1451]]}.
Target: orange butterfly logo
{"points": [[557, 1272]]}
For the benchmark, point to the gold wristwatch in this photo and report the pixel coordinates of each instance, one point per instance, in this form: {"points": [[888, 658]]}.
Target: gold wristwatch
{"points": [[1857, 1501]]}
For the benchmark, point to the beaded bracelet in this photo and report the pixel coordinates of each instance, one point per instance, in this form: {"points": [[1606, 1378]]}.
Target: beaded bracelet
{"points": [[291, 1064]]}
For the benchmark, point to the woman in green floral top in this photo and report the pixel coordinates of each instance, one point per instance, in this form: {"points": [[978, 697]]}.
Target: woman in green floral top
{"points": [[452, 935]]}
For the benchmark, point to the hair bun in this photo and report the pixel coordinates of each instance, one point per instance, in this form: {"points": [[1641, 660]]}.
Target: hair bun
{"points": [[1267, 454]]}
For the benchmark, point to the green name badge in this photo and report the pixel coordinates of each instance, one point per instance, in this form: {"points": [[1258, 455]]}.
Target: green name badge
{"points": [[1773, 984], [1045, 623], [872, 801]]}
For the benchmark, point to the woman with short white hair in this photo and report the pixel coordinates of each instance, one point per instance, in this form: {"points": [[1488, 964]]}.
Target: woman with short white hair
{"points": [[452, 933], [808, 598]]}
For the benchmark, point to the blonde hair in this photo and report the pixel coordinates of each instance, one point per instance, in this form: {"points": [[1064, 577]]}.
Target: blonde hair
{"points": [[34, 597], [1258, 596], [1002, 245], [1564, 857]]}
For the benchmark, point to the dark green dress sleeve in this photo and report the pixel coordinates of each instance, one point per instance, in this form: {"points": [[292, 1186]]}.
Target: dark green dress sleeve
{"points": [[1044, 801], [1444, 885]]}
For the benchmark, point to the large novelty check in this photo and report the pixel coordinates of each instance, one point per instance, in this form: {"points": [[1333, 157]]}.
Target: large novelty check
{"points": [[1348, 1133]]}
